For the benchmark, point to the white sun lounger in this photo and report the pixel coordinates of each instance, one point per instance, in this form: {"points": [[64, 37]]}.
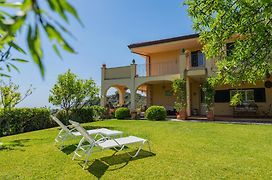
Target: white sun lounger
{"points": [[66, 132], [104, 143]]}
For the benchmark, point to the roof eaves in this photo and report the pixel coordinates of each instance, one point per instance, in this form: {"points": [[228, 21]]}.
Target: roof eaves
{"points": [[149, 43]]}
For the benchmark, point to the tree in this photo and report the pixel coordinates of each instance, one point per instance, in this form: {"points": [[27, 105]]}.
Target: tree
{"points": [[71, 92], [246, 23], [10, 94], [10, 97], [179, 88], [14, 16]]}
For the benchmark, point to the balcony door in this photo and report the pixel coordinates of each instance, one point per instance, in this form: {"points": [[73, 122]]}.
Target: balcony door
{"points": [[197, 59]]}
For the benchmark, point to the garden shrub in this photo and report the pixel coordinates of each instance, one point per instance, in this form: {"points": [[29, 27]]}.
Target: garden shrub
{"points": [[19, 120], [122, 113], [82, 115], [99, 112], [156, 113]]}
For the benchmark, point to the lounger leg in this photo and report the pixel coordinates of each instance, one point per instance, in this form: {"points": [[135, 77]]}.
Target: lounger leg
{"points": [[58, 136], [78, 147], [139, 149], [88, 155], [149, 147]]}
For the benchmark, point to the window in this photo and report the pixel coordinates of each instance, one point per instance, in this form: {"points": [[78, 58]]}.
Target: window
{"points": [[222, 96], [229, 47], [256, 95], [259, 95], [197, 59], [247, 95]]}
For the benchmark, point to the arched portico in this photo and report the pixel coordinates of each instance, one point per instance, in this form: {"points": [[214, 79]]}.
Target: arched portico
{"points": [[121, 89]]}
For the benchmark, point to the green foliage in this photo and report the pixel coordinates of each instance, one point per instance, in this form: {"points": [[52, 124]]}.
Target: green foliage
{"points": [[179, 88], [114, 99], [245, 23], [122, 113], [236, 99], [99, 112], [156, 113], [10, 94], [209, 93], [70, 92], [14, 16], [19, 120], [82, 115]]}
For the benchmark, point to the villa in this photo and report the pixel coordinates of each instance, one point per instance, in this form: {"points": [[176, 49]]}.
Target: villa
{"points": [[181, 57]]}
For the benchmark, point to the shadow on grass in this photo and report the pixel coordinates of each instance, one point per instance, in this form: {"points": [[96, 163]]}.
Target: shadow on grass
{"points": [[99, 167], [14, 145], [69, 149]]}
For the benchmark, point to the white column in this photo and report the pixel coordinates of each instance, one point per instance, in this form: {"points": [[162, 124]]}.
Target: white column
{"points": [[188, 94], [132, 87], [122, 93], [182, 62], [103, 95]]}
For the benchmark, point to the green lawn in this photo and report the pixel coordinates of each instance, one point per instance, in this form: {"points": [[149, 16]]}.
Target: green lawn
{"points": [[181, 150]]}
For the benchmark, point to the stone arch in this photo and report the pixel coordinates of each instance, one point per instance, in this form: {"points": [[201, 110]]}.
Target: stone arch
{"points": [[121, 90]]}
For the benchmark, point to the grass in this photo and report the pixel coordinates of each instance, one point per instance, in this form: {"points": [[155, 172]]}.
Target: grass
{"points": [[181, 150]]}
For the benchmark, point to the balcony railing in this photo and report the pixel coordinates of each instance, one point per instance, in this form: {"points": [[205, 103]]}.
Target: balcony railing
{"points": [[157, 69]]}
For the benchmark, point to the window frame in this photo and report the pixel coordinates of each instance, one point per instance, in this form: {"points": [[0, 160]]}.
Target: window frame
{"points": [[197, 53]]}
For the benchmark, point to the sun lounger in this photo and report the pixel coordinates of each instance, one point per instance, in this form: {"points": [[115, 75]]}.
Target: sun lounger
{"points": [[67, 132], [105, 143]]}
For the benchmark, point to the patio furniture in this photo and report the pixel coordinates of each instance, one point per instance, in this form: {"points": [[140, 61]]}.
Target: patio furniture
{"points": [[67, 132], [104, 143], [247, 109], [269, 110]]}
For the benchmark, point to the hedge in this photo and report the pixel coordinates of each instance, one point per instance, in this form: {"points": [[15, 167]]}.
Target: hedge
{"points": [[156, 113], [19, 120], [122, 113], [84, 115]]}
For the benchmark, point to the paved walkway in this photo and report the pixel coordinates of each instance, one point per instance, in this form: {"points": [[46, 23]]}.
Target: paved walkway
{"points": [[229, 121]]}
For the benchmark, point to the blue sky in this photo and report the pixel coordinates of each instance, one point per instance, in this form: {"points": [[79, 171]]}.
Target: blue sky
{"points": [[109, 27]]}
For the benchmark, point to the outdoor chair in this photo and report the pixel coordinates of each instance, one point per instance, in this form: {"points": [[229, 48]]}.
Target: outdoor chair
{"points": [[67, 132], [269, 110], [104, 143]]}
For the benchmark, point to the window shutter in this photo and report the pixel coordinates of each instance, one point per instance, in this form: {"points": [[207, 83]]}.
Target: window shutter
{"points": [[259, 95]]}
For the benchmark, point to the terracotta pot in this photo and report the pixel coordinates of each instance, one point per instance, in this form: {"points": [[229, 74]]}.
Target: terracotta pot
{"points": [[182, 115], [210, 115]]}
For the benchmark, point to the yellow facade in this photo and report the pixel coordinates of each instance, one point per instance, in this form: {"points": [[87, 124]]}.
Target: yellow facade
{"points": [[167, 60]]}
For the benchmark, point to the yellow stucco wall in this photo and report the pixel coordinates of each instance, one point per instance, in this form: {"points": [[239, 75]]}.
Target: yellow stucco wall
{"points": [[161, 96], [164, 63], [222, 109], [118, 72], [195, 95]]}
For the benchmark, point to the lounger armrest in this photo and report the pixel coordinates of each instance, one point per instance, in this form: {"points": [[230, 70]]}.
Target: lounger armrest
{"points": [[117, 143], [103, 139], [73, 130]]}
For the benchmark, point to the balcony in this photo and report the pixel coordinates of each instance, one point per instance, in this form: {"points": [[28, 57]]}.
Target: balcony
{"points": [[196, 65], [141, 70], [157, 69], [122, 72]]}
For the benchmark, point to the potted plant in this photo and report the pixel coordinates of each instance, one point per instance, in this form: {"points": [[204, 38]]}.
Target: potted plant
{"points": [[179, 88], [209, 92]]}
